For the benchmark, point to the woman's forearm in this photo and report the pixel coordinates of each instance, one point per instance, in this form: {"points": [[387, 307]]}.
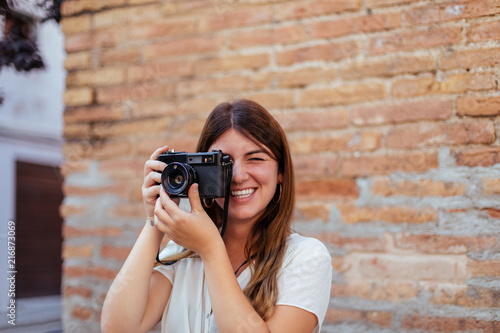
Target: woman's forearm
{"points": [[232, 310], [126, 301]]}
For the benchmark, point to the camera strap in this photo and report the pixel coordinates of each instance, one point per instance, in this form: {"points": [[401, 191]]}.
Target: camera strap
{"points": [[226, 201]]}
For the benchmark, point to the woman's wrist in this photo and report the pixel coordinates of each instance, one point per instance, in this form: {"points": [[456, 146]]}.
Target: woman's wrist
{"points": [[215, 249]]}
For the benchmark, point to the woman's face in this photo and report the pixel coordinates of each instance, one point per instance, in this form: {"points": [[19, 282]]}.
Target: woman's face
{"points": [[255, 176]]}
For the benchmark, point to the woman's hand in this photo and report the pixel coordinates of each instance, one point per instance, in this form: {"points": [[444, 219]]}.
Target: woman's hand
{"points": [[193, 230], [152, 180]]}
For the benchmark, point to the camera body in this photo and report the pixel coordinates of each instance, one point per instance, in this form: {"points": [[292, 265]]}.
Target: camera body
{"points": [[211, 170]]}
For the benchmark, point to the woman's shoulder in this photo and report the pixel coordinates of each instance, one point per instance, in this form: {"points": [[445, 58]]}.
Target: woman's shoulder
{"points": [[306, 247]]}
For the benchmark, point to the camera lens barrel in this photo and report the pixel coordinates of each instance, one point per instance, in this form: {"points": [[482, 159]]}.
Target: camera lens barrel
{"points": [[177, 178]]}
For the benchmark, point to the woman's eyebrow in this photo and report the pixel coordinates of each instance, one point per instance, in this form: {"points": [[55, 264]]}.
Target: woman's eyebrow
{"points": [[256, 152]]}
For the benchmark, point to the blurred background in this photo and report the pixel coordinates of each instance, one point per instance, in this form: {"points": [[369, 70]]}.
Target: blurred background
{"points": [[391, 107], [31, 125]]}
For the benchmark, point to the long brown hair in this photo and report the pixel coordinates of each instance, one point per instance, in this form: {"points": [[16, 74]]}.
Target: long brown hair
{"points": [[269, 234]]}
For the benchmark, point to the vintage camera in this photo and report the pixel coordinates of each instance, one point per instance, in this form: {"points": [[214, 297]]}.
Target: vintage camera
{"points": [[212, 171]]}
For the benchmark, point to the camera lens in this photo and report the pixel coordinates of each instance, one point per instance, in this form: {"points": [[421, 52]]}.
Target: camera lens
{"points": [[177, 177]]}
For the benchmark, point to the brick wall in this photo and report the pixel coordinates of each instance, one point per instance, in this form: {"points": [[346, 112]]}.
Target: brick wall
{"points": [[392, 111]]}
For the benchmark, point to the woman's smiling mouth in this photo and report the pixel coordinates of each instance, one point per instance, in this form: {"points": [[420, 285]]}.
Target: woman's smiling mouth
{"points": [[240, 194]]}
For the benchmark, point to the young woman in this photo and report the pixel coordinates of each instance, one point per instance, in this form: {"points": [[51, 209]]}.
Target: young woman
{"points": [[259, 277]]}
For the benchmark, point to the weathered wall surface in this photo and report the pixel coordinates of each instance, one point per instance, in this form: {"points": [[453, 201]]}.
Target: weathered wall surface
{"points": [[392, 111]]}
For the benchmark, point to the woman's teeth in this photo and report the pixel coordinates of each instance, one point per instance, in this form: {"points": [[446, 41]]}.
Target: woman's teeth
{"points": [[242, 193]]}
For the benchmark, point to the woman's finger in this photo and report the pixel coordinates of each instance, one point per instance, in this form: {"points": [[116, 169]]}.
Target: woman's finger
{"points": [[169, 205], [158, 151], [153, 165], [163, 221], [194, 198]]}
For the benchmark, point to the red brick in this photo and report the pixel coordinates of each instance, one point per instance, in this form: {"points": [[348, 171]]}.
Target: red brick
{"points": [[302, 9], [80, 191], [430, 243], [478, 106], [484, 31], [490, 186], [82, 313], [315, 166], [449, 325], [112, 148], [103, 273], [213, 64], [77, 132], [338, 315], [77, 232], [70, 291], [313, 120], [417, 268], [182, 46], [67, 210], [364, 141], [249, 16], [346, 94], [273, 100], [312, 211], [92, 39], [413, 40], [161, 29], [383, 3], [478, 157], [129, 209], [137, 127], [152, 108], [115, 252], [371, 165], [268, 36], [126, 15], [70, 7], [326, 52], [132, 92], [494, 213], [197, 105], [401, 112], [453, 10], [354, 214], [297, 78], [469, 59], [96, 78], [484, 268], [230, 83], [327, 188], [393, 291], [119, 56], [76, 24], [387, 67], [438, 134], [469, 297], [352, 243], [85, 251], [181, 8], [160, 70], [78, 96], [94, 113], [353, 25], [423, 188], [456, 83], [77, 60]]}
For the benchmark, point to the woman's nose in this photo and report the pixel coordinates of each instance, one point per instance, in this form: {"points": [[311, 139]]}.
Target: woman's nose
{"points": [[239, 173]]}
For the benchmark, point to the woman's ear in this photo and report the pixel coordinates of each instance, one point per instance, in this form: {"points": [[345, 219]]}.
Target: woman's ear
{"points": [[280, 178]]}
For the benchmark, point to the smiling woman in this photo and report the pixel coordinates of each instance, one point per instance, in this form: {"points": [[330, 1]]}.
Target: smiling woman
{"points": [[259, 277]]}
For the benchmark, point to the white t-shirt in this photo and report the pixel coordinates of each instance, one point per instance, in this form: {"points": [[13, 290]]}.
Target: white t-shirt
{"points": [[304, 282]]}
